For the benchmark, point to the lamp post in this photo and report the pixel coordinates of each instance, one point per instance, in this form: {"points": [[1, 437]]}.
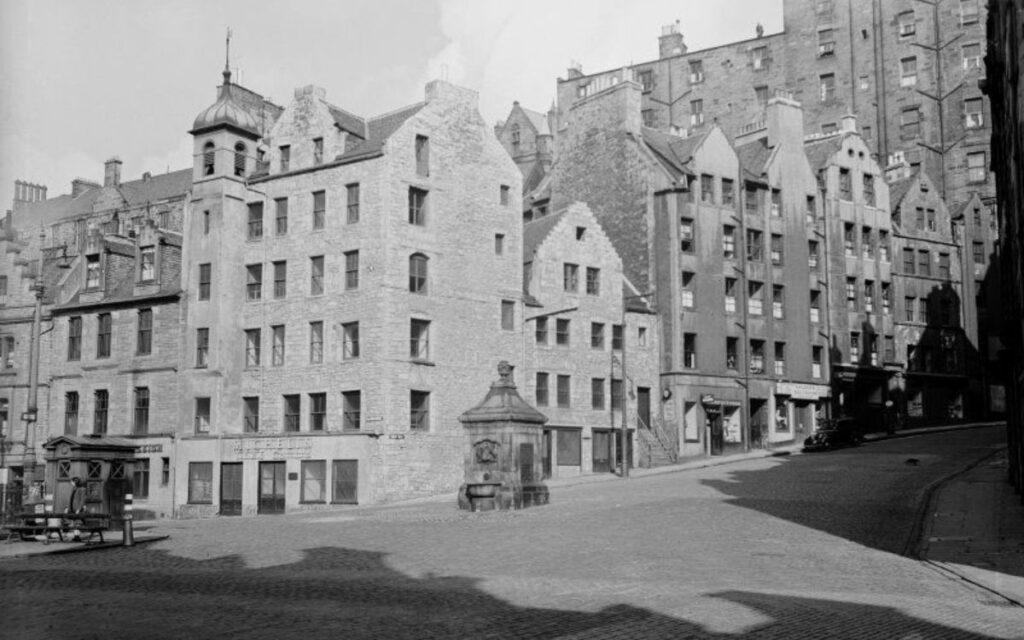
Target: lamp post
{"points": [[32, 409]]}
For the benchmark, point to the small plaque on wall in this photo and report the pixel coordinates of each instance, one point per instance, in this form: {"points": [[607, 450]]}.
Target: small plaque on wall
{"points": [[293, 475]]}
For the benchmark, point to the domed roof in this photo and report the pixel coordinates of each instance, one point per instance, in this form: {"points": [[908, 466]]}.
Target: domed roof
{"points": [[225, 112]]}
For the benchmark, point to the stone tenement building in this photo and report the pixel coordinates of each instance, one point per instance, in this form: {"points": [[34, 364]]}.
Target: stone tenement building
{"points": [[299, 319], [110, 292], [908, 70], [583, 320], [377, 275]]}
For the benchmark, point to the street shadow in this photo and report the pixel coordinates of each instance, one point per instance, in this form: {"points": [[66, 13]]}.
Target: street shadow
{"points": [[339, 592]]}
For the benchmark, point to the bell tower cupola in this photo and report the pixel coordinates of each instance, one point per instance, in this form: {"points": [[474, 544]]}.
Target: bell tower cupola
{"points": [[225, 135]]}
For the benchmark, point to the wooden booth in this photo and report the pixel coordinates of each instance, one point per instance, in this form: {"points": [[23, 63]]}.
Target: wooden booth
{"points": [[103, 464]]}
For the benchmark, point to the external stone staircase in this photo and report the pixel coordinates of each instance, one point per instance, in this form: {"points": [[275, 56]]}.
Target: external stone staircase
{"points": [[657, 445]]}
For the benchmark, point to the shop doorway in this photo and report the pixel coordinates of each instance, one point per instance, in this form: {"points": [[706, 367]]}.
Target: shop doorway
{"points": [[602, 451], [272, 480], [717, 429], [231, 489]]}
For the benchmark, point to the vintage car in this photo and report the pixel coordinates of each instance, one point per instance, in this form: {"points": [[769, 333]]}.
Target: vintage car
{"points": [[834, 434]]}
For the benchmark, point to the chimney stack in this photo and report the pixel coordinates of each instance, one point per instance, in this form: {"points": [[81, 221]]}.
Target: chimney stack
{"points": [[671, 41], [112, 172], [785, 119], [28, 192]]}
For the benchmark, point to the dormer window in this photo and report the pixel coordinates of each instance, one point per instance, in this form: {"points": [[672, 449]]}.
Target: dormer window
{"points": [[208, 157], [239, 159], [515, 138], [147, 263], [92, 271]]}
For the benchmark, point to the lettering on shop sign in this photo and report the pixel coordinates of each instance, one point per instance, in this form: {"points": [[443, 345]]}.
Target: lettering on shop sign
{"points": [[149, 448], [271, 448]]}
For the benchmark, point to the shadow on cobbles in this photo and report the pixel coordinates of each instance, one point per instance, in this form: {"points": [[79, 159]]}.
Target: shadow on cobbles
{"points": [[874, 495], [337, 592]]}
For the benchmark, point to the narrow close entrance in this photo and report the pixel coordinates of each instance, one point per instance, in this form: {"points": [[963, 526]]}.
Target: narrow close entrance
{"points": [[272, 478]]}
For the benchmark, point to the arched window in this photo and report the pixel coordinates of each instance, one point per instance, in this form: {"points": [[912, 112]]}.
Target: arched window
{"points": [[239, 159], [208, 158], [418, 273]]}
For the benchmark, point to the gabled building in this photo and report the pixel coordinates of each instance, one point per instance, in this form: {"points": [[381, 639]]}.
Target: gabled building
{"points": [[930, 301], [527, 136], [344, 289], [110, 287], [856, 233], [584, 325], [719, 239]]}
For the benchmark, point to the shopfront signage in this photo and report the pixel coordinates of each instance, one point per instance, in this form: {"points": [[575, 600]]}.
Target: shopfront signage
{"points": [[270, 448], [801, 390]]}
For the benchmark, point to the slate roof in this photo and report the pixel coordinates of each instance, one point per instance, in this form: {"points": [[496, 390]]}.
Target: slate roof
{"points": [[134, 193], [754, 157], [534, 179], [898, 190], [538, 120], [91, 442], [957, 209], [535, 231], [378, 130], [673, 152], [347, 121], [819, 150]]}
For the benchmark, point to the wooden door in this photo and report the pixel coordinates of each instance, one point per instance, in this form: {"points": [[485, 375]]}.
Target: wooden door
{"points": [[602, 451], [272, 479], [643, 406], [231, 489]]}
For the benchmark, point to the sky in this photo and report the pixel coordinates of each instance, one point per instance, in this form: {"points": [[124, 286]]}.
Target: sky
{"points": [[82, 81]]}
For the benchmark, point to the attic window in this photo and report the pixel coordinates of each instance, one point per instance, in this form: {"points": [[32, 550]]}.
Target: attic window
{"points": [[286, 157], [580, 232], [147, 263], [422, 156], [515, 138], [318, 150], [92, 271], [208, 156]]}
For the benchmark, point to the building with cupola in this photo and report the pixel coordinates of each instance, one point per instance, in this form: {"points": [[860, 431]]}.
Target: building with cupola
{"points": [[346, 278]]}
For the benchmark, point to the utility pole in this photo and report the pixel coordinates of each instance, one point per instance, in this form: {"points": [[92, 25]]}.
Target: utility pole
{"points": [[939, 97]]}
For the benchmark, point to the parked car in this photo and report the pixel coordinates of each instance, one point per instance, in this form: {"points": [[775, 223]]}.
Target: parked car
{"points": [[834, 434]]}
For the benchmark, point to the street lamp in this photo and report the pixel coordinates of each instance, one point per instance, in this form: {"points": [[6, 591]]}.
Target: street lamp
{"points": [[32, 409]]}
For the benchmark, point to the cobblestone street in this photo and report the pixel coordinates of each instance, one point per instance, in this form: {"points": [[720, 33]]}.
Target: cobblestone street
{"points": [[805, 546]]}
